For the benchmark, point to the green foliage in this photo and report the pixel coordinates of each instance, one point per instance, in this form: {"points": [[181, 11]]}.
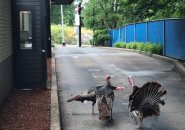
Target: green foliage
{"points": [[124, 45], [141, 46], [69, 34], [119, 44], [137, 45], [147, 47], [132, 46], [55, 14], [157, 49], [91, 41], [68, 13], [52, 44], [56, 34], [101, 38], [103, 14], [128, 46]]}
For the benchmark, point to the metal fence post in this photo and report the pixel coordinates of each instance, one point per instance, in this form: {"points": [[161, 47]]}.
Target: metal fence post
{"points": [[164, 39], [125, 33], [146, 31], [113, 38], [119, 36], [134, 32]]}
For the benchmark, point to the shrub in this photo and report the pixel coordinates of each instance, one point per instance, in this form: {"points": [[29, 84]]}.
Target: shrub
{"points": [[128, 46], [137, 45], [56, 34], [147, 47], [124, 45], [119, 44], [141, 46], [69, 34], [101, 37], [132, 45], [157, 49], [153, 48]]}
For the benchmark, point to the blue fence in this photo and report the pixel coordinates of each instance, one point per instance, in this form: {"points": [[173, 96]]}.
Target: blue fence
{"points": [[140, 30], [169, 33]]}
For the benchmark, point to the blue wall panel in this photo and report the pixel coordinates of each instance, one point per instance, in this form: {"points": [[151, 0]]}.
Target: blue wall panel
{"points": [[156, 32], [141, 32], [172, 38], [116, 35], [113, 41], [175, 38], [130, 33], [110, 41], [122, 34]]}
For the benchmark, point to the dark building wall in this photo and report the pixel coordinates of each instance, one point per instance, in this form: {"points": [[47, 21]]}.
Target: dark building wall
{"points": [[6, 72], [6, 80]]}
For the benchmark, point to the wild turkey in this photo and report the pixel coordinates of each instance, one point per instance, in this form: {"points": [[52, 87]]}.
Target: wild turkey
{"points": [[103, 95], [89, 95], [144, 101]]}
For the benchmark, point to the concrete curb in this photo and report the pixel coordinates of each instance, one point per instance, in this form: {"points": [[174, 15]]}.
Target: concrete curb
{"points": [[55, 115]]}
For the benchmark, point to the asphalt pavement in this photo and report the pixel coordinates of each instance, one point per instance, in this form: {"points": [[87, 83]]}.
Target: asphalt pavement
{"points": [[79, 68]]}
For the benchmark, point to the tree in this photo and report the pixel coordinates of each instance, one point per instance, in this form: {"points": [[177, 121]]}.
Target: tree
{"points": [[100, 14], [106, 14], [141, 10], [55, 14], [68, 14]]}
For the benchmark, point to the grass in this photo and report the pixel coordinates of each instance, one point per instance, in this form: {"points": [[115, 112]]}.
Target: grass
{"points": [[69, 34]]}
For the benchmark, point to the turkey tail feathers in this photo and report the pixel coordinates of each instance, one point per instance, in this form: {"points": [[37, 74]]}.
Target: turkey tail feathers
{"points": [[84, 96], [148, 97], [76, 98]]}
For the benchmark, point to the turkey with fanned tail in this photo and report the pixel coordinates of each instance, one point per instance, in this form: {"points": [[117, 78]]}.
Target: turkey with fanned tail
{"points": [[144, 101], [102, 95]]}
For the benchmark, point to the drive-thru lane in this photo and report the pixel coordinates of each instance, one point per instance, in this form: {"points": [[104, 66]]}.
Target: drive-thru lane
{"points": [[80, 68]]}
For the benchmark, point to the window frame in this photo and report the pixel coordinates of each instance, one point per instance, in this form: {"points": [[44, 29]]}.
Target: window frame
{"points": [[33, 30]]}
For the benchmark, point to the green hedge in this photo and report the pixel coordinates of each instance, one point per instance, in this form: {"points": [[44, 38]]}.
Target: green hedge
{"points": [[147, 47], [119, 45], [101, 38]]}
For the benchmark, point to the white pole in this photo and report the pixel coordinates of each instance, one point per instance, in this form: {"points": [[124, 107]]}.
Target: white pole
{"points": [[62, 21]]}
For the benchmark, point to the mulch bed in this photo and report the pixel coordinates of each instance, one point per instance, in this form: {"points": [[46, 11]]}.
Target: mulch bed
{"points": [[26, 110], [49, 66]]}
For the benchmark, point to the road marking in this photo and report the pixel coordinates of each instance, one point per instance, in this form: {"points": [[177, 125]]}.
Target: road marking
{"points": [[96, 70], [75, 57]]}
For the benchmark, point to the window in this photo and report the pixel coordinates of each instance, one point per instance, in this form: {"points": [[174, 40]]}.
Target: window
{"points": [[25, 30]]}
